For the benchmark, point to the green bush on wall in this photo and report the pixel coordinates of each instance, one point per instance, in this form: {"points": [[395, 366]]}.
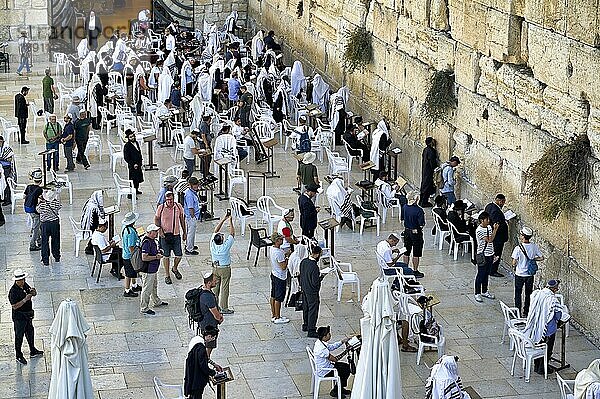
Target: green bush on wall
{"points": [[441, 97], [359, 50], [560, 177]]}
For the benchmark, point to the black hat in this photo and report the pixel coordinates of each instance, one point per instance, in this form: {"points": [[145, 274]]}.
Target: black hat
{"points": [[323, 331], [312, 187], [455, 159]]}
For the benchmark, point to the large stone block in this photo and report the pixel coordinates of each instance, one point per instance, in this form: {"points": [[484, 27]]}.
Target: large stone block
{"points": [[471, 114], [466, 67], [488, 80], [503, 36], [418, 10], [418, 76], [528, 96], [548, 55], [407, 36], [383, 23], [445, 54], [562, 115], [438, 18], [396, 69], [505, 78], [585, 63], [550, 14], [467, 19], [594, 131]]}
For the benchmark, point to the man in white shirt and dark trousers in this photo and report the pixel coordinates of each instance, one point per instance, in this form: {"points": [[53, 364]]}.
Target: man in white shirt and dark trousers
{"points": [[279, 261], [521, 254], [324, 360], [111, 252], [190, 150]]}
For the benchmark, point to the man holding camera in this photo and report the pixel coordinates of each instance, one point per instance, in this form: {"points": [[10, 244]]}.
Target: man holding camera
{"points": [[220, 252], [19, 296]]}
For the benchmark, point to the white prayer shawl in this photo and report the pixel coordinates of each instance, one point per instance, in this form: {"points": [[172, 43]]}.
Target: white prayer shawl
{"points": [[197, 111], [444, 381], [225, 146], [139, 73], [142, 16], [300, 253], [2, 183], [95, 204], [119, 46], [91, 98], [259, 92], [92, 23], [230, 21], [282, 91], [205, 86], [587, 381], [70, 371], [258, 45], [106, 49], [380, 131], [217, 64], [541, 311], [320, 92], [336, 194], [298, 79], [185, 69], [170, 63], [165, 81], [338, 102], [213, 42], [82, 49]]}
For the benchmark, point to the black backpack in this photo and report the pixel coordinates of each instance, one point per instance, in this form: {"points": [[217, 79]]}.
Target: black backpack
{"points": [[192, 306]]}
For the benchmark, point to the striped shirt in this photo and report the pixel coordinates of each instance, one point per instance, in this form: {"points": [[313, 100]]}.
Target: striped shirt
{"points": [[48, 210], [481, 233]]}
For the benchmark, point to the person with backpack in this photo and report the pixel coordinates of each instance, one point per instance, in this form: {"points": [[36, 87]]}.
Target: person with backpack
{"points": [[151, 257], [522, 257], [33, 192], [131, 241], [449, 181], [210, 316], [303, 134], [484, 256]]}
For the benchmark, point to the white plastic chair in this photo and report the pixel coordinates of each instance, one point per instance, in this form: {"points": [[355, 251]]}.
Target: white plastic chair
{"points": [[173, 389], [527, 351], [61, 62], [440, 235], [17, 192], [124, 187], [78, 234], [116, 154], [263, 130], [108, 123], [566, 387], [315, 380], [512, 319], [456, 245], [10, 129], [352, 157], [236, 177], [345, 277], [266, 206], [74, 75], [236, 211], [338, 165], [384, 204], [64, 178], [433, 342], [34, 112], [65, 95], [362, 219], [94, 142]]}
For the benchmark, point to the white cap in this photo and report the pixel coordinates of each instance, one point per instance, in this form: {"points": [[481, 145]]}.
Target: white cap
{"points": [[152, 227]]}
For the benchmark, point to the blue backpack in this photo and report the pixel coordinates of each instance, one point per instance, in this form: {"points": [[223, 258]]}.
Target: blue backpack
{"points": [[304, 144], [532, 266]]}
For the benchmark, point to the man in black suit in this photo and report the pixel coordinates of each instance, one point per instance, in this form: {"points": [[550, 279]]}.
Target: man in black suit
{"points": [[308, 211], [22, 112], [357, 147], [310, 283], [497, 216], [197, 372]]}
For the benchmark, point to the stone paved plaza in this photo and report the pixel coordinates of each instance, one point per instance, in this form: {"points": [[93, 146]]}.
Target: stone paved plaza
{"points": [[127, 349]]}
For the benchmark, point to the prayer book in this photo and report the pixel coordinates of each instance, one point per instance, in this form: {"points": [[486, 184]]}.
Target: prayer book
{"points": [[367, 165], [140, 230], [326, 270], [354, 342], [116, 238], [401, 182], [396, 150], [509, 214], [111, 209]]}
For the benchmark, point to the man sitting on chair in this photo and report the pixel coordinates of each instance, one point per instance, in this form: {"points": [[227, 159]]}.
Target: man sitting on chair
{"points": [[324, 360], [356, 146], [390, 257], [111, 252]]}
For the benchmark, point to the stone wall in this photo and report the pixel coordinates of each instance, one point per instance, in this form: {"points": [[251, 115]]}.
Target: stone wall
{"points": [[526, 74], [30, 16], [215, 11]]}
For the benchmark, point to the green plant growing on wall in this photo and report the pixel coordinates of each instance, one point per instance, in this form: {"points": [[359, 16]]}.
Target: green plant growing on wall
{"points": [[441, 97], [359, 50], [560, 177]]}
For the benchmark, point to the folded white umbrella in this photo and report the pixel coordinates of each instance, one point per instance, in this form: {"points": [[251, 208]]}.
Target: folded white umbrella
{"points": [[70, 372], [378, 369]]}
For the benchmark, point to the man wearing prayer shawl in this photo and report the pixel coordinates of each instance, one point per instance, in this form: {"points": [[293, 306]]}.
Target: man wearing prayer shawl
{"points": [[165, 81], [187, 78], [93, 211], [7, 161], [82, 49], [545, 314], [298, 79], [258, 45], [197, 372], [444, 381], [281, 102], [341, 202], [337, 114], [320, 92], [587, 382], [379, 144], [93, 30], [205, 86], [231, 22]]}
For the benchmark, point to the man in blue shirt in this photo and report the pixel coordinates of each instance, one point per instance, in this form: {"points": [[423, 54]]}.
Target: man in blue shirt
{"points": [[449, 179], [414, 221], [192, 214], [220, 251], [233, 86]]}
